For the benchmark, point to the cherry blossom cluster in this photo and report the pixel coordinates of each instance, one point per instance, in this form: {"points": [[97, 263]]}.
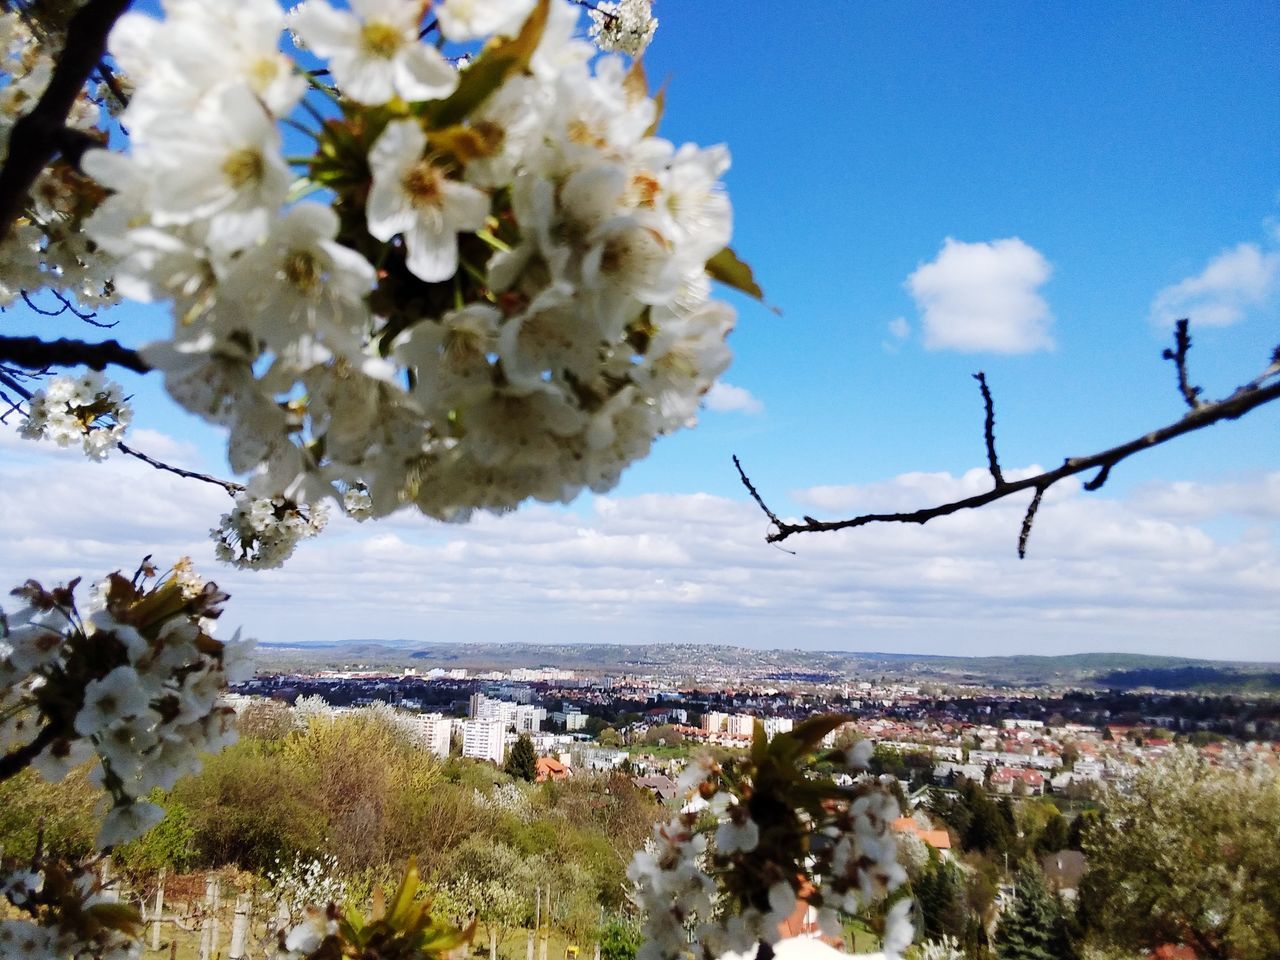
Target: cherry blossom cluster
{"points": [[89, 410], [759, 834], [623, 27], [132, 685], [67, 914], [303, 882], [479, 277], [47, 249], [261, 533], [946, 948]]}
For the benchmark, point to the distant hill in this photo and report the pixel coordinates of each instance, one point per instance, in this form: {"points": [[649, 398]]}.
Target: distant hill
{"points": [[719, 663]]}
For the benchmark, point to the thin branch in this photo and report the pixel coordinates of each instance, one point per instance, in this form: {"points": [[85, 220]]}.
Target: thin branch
{"points": [[230, 486], [34, 354], [39, 135], [1181, 346], [15, 406], [1262, 390], [989, 429], [89, 317], [15, 386], [112, 83], [26, 298], [755, 495], [1027, 521]]}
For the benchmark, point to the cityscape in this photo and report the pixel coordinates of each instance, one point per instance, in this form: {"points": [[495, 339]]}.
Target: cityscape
{"points": [[1023, 740]]}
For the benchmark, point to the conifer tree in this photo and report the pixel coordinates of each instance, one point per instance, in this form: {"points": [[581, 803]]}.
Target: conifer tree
{"points": [[1034, 927], [522, 762], [940, 896]]}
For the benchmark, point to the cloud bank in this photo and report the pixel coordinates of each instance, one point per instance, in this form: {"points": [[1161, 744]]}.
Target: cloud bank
{"points": [[1139, 575]]}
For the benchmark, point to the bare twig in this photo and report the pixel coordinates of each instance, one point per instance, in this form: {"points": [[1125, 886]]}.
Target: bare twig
{"points": [[1027, 521], [39, 135], [1262, 390], [989, 429], [228, 485], [1181, 346], [755, 495], [89, 316], [26, 298], [34, 353]]}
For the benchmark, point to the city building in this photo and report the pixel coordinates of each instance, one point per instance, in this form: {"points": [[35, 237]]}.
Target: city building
{"points": [[484, 739], [432, 731]]}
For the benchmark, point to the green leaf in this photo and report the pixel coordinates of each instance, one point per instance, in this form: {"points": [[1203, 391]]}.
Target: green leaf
{"points": [[759, 744], [810, 733], [402, 904], [729, 270], [489, 71]]}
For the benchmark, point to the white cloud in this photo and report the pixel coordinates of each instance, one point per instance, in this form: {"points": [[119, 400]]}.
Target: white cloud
{"points": [[1221, 294], [978, 297], [726, 398], [899, 329], [1102, 574]]}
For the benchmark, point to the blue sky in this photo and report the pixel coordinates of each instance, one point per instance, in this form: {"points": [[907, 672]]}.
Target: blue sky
{"points": [[1129, 148]]}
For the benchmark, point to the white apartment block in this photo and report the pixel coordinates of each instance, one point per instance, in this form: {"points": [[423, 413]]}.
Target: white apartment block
{"points": [[523, 717], [571, 718], [776, 725], [742, 725], [484, 739], [432, 731], [713, 721], [1023, 724]]}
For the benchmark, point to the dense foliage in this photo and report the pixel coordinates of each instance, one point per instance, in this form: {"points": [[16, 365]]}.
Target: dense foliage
{"points": [[1188, 854]]}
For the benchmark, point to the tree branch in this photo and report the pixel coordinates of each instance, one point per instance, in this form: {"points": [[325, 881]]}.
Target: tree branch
{"points": [[1181, 346], [228, 485], [36, 354], [1027, 521], [39, 135], [1262, 390], [989, 428]]}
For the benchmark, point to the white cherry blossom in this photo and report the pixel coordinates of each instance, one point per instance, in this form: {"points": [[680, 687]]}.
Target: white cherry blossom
{"points": [[469, 19], [414, 197], [374, 51]]}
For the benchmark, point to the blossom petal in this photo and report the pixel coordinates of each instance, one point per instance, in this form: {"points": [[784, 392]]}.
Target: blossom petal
{"points": [[422, 73]]}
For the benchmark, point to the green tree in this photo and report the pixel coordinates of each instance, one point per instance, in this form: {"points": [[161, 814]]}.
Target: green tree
{"points": [[248, 807], [988, 828], [619, 940], [1080, 828], [1055, 836], [522, 761], [665, 735], [940, 895], [1034, 927], [1187, 854], [609, 737], [63, 816]]}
